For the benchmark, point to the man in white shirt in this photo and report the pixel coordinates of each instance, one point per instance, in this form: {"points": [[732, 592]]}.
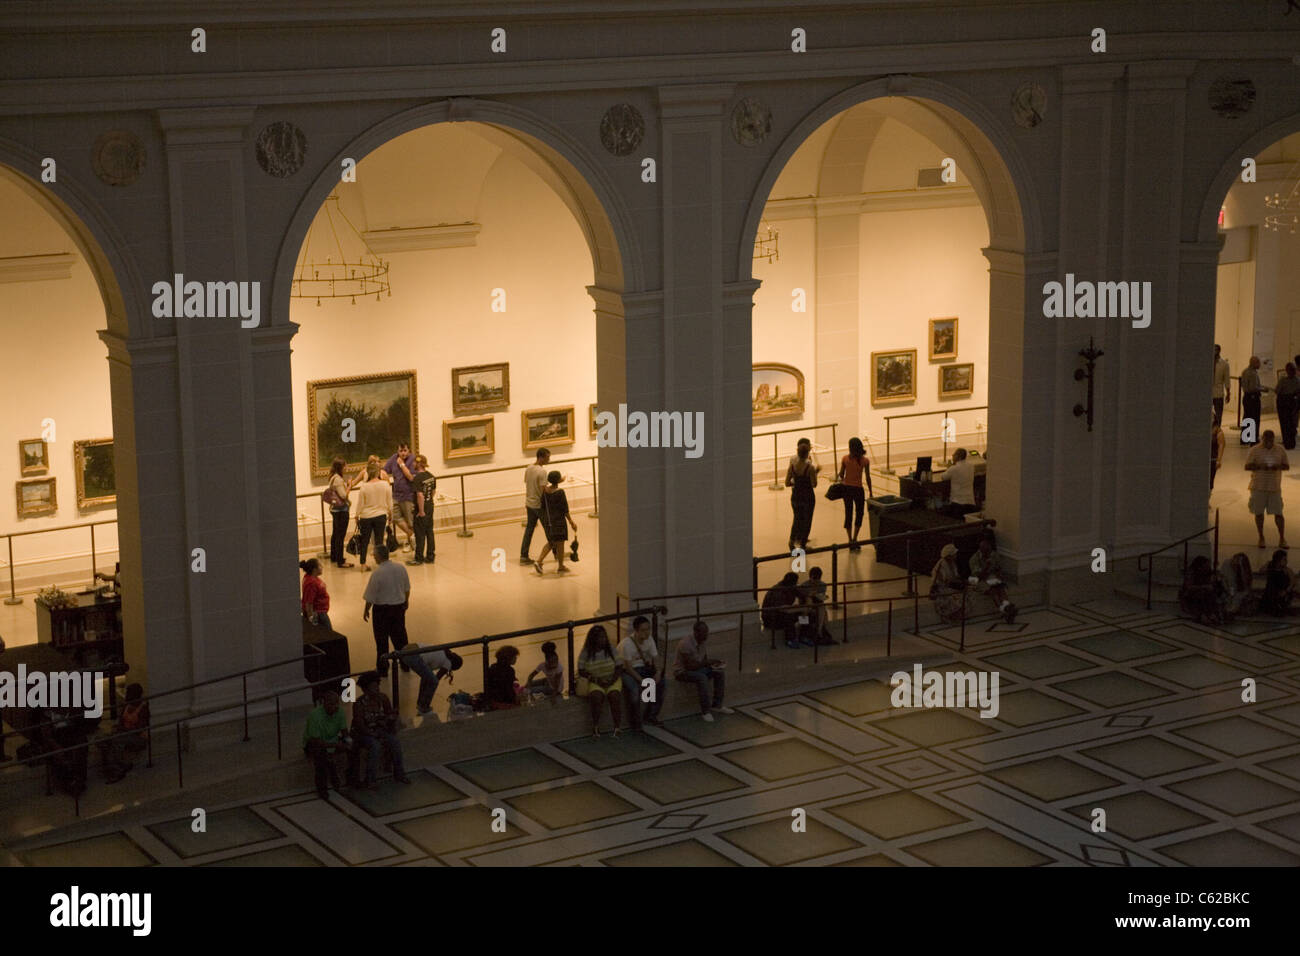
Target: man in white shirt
{"points": [[961, 484], [639, 658], [1266, 462], [1222, 389], [388, 593], [534, 482]]}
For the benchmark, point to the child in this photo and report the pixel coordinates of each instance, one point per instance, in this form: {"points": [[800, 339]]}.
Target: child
{"points": [[551, 681]]}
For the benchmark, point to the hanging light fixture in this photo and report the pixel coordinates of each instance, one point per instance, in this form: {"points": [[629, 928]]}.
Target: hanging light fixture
{"points": [[336, 262], [1284, 208], [765, 243]]}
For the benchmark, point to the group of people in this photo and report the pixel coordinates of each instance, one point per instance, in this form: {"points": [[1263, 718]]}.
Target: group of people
{"points": [[1215, 597], [398, 493], [801, 478], [798, 609], [547, 505], [950, 589]]}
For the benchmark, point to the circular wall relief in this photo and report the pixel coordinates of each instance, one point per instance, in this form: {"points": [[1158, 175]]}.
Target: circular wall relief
{"points": [[118, 157], [1232, 96], [621, 129], [751, 121], [1028, 105], [281, 149]]}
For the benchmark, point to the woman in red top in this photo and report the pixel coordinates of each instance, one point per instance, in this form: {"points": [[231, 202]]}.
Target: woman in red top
{"points": [[854, 467], [315, 599]]}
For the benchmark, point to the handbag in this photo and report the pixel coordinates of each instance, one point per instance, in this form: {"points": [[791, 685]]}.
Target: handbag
{"points": [[390, 540], [835, 491], [332, 498]]}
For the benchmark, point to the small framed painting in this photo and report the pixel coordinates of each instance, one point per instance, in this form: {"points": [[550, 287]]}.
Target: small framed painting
{"points": [[776, 391], [957, 381], [33, 456], [478, 388], [893, 377], [468, 437], [96, 479], [591, 419], [943, 339], [548, 426], [36, 497]]}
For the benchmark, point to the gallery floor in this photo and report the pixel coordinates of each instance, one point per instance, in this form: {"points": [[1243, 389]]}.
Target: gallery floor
{"points": [[1103, 705]]}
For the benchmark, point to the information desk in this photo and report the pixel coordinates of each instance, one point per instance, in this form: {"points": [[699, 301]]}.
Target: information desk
{"points": [[924, 549], [940, 488], [90, 630]]}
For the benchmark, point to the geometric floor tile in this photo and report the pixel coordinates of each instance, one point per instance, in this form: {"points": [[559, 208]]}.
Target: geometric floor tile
{"points": [[831, 730], [1235, 792], [855, 700], [606, 751], [914, 768], [1036, 662], [1288, 826], [929, 727], [111, 849], [517, 768], [1229, 848], [1140, 815], [290, 854], [875, 859], [780, 759], [1195, 671], [677, 821], [683, 780], [566, 806], [1286, 766], [1129, 721], [454, 830], [1288, 713], [1237, 736], [1146, 757], [1119, 646], [1028, 706], [1113, 855], [977, 848], [725, 729], [425, 790], [1053, 778], [1111, 689], [226, 829], [688, 853], [895, 815], [777, 844]]}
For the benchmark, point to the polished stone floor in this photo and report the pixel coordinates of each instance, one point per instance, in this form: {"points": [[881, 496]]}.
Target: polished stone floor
{"points": [[1103, 706]]}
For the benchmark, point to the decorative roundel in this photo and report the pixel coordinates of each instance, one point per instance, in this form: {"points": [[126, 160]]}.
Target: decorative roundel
{"points": [[751, 122], [281, 149], [622, 129], [118, 157], [1232, 96], [1028, 105]]}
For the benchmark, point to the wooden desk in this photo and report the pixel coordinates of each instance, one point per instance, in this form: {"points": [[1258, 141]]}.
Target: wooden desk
{"points": [[924, 549]]}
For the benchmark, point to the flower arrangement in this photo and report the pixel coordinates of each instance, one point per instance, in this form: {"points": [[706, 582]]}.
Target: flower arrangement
{"points": [[53, 597]]}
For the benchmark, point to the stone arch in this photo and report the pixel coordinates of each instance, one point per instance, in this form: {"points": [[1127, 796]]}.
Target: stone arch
{"points": [[1205, 227]]}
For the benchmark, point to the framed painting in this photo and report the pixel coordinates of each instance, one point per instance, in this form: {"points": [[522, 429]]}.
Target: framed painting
{"points": [[777, 391], [478, 388], [37, 496], [591, 419], [893, 377], [96, 478], [468, 437], [943, 339], [957, 381], [33, 456], [354, 418], [548, 426]]}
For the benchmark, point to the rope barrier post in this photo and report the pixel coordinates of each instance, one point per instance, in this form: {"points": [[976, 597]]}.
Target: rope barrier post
{"points": [[776, 468], [835, 448], [92, 555], [595, 494], [12, 598], [464, 531], [324, 542], [844, 617], [835, 570], [888, 426], [243, 678]]}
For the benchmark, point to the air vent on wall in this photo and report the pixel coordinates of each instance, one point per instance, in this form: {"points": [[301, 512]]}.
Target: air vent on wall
{"points": [[929, 178]]}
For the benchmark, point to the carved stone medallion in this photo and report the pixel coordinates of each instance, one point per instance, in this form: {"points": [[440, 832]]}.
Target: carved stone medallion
{"points": [[1232, 96], [751, 121], [621, 129], [118, 157], [281, 149], [1028, 105]]}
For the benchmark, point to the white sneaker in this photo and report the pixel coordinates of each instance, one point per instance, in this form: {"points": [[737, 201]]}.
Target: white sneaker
{"points": [[708, 717], [724, 710]]}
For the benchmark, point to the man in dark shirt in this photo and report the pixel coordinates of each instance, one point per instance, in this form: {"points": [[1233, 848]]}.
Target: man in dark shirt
{"points": [[374, 723], [401, 466], [424, 484]]}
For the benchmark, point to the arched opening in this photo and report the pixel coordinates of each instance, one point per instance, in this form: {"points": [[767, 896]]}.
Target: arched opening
{"points": [[477, 345]]}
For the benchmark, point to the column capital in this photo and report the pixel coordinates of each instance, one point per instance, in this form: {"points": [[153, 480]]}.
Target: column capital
{"points": [[1201, 253], [740, 292], [204, 126], [693, 100], [272, 338], [134, 353]]}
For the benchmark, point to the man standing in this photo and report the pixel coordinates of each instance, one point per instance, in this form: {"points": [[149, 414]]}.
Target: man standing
{"points": [[424, 484], [534, 482], [388, 593], [961, 484], [694, 666], [1222, 389], [402, 466], [1266, 464], [1251, 390], [1288, 405]]}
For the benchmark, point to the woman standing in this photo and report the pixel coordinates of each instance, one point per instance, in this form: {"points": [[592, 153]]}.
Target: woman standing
{"points": [[374, 506], [315, 599], [598, 664], [555, 512], [947, 588], [854, 467], [801, 479], [1217, 444], [340, 509]]}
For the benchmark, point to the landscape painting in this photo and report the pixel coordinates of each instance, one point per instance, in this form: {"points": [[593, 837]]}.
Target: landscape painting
{"points": [[468, 437], [893, 377], [957, 381], [375, 411], [777, 391], [36, 497], [943, 339], [548, 426], [96, 477], [33, 456], [477, 388]]}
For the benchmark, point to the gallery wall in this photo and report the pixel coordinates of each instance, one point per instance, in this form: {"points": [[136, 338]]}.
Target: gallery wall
{"points": [[54, 366]]}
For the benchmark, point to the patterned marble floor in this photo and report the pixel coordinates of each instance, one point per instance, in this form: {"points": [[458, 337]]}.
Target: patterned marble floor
{"points": [[1103, 705]]}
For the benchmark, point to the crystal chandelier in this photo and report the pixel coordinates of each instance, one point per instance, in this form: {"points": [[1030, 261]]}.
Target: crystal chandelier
{"points": [[765, 243], [336, 263], [1283, 210]]}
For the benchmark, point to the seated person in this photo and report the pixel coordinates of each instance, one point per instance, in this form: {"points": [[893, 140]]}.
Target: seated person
{"points": [[502, 689], [1203, 595], [948, 587], [324, 737], [986, 577], [639, 658], [374, 722], [812, 594], [548, 676], [779, 609], [130, 736], [1279, 586], [600, 666], [432, 667]]}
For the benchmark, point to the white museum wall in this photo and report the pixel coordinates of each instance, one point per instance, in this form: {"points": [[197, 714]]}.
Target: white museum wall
{"points": [[54, 366], [440, 317]]}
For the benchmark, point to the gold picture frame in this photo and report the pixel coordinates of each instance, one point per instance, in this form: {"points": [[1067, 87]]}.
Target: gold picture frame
{"points": [[591, 419], [538, 426], [33, 456], [479, 388], [776, 391], [893, 377], [95, 472], [468, 437], [33, 504], [384, 410], [943, 338], [957, 381]]}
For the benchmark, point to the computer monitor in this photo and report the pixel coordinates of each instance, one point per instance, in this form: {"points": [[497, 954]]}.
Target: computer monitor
{"points": [[923, 464]]}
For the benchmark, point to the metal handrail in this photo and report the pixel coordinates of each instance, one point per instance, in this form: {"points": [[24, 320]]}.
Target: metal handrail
{"points": [[941, 411], [776, 468], [13, 598], [1185, 542]]}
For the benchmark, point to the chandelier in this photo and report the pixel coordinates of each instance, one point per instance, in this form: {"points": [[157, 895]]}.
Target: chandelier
{"points": [[336, 263], [1283, 210], [765, 243]]}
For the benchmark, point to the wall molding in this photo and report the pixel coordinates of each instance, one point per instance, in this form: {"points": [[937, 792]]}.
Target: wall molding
{"points": [[421, 238], [900, 200], [55, 265]]}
